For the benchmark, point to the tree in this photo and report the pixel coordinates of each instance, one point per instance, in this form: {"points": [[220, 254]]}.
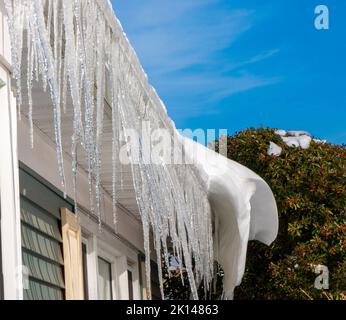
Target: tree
{"points": [[310, 189]]}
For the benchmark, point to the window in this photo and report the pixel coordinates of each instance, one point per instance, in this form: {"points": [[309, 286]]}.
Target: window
{"points": [[130, 284], [104, 280], [85, 271], [155, 283]]}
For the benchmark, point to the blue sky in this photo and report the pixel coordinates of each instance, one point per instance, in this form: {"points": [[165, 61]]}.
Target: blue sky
{"points": [[239, 63]]}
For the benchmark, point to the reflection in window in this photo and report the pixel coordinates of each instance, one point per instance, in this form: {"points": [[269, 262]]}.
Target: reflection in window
{"points": [[130, 285], [85, 271], [104, 280]]}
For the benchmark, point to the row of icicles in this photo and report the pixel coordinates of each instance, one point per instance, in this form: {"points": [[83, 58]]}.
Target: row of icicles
{"points": [[69, 47]]}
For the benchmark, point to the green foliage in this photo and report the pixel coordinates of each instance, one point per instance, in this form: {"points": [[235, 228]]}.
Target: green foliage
{"points": [[177, 287], [310, 190]]}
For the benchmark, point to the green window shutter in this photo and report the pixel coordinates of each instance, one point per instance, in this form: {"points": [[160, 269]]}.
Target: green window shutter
{"points": [[42, 250], [42, 253]]}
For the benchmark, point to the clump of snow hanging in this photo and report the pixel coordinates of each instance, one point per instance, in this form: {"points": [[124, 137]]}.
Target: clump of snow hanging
{"points": [[292, 138], [281, 132], [320, 141], [298, 141], [298, 133], [274, 149]]}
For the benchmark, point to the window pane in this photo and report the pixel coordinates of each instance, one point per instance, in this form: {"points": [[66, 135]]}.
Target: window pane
{"points": [[130, 285], [104, 280], [85, 271]]}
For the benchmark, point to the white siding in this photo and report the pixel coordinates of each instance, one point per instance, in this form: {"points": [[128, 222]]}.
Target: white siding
{"points": [[42, 159]]}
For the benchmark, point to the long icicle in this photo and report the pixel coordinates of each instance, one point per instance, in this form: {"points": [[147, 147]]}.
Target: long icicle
{"points": [[46, 52]]}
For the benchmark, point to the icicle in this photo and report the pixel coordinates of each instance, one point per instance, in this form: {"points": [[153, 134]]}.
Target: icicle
{"points": [[70, 64], [36, 62], [99, 111], [49, 18], [30, 62], [145, 223], [64, 85], [74, 170], [58, 33], [47, 59], [115, 131], [15, 22], [69, 50], [88, 28]]}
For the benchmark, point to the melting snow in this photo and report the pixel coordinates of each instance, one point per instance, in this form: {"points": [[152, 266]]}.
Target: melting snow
{"points": [[297, 133], [274, 149], [292, 138], [281, 132]]}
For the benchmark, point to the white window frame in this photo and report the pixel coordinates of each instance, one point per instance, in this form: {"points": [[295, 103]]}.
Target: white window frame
{"points": [[85, 241], [131, 266], [112, 260], [100, 245]]}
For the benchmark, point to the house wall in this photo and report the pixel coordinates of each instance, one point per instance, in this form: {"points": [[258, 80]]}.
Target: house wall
{"points": [[42, 159], [121, 249]]}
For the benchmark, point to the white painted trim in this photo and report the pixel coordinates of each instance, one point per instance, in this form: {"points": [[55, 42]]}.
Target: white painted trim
{"points": [[5, 48], [112, 260], [122, 275], [85, 242], [9, 194], [9, 174], [119, 262], [134, 268], [92, 266], [100, 244]]}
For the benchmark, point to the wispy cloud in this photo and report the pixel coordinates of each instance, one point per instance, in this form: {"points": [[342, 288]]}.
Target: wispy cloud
{"points": [[181, 44], [254, 59]]}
